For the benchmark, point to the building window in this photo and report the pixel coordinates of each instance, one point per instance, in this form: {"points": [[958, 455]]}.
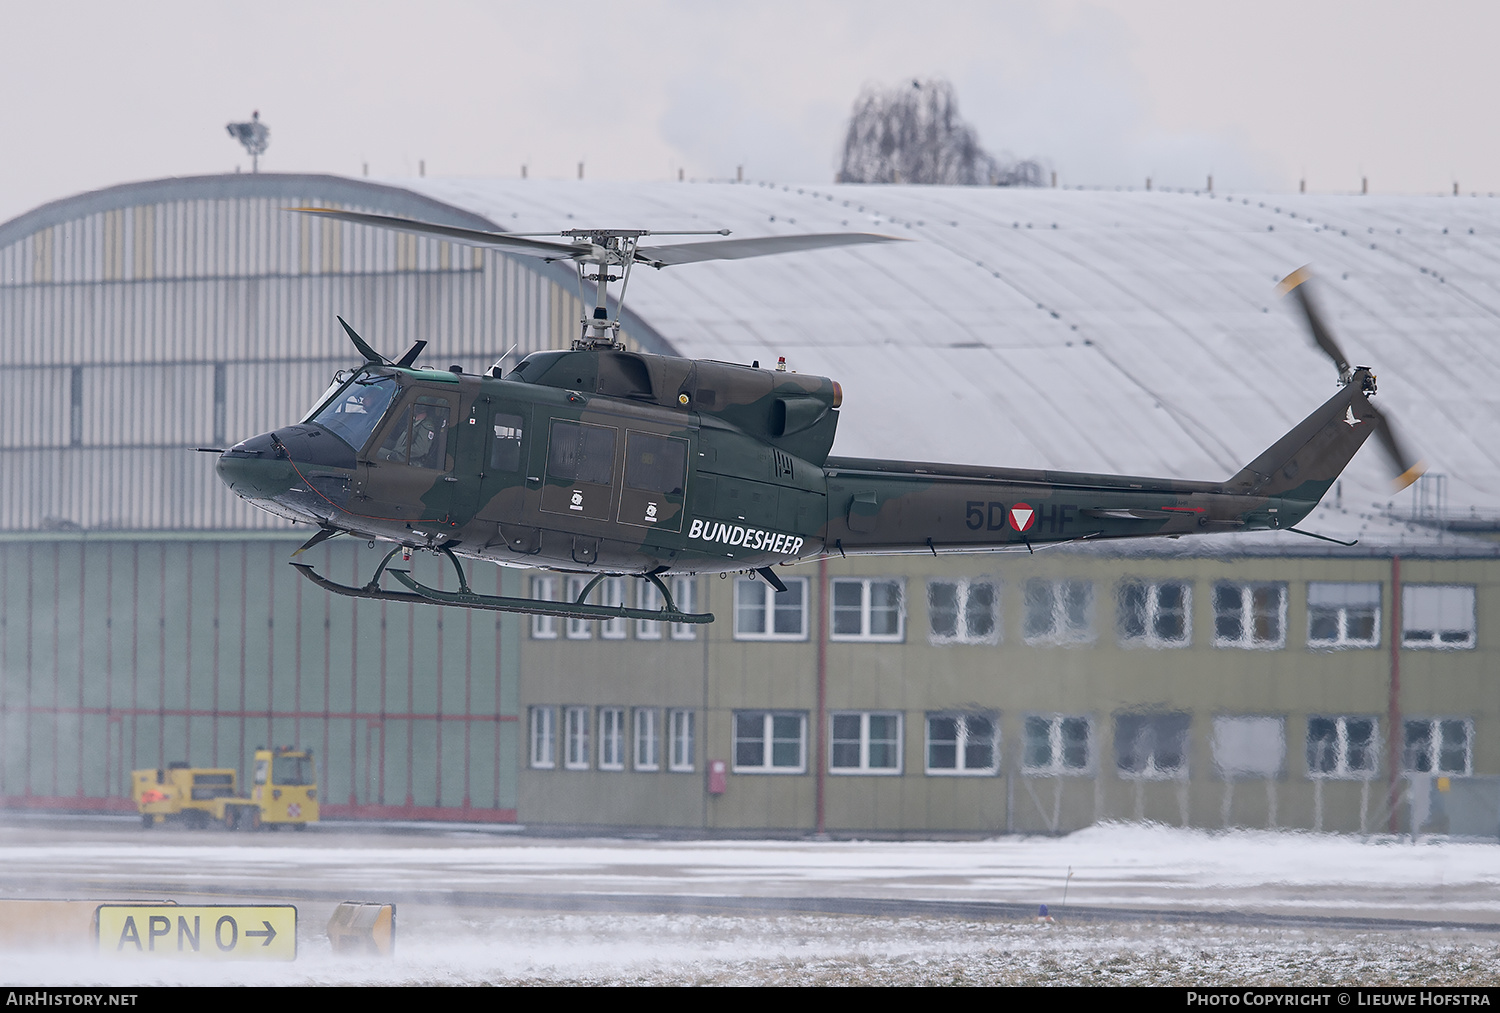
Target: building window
{"points": [[867, 609], [1250, 615], [1251, 746], [864, 743], [612, 592], [963, 744], [1438, 746], [1057, 744], [963, 612], [1152, 746], [1342, 747], [611, 738], [685, 594], [1434, 615], [543, 738], [1059, 611], [680, 730], [649, 598], [1155, 614], [576, 738], [647, 739], [760, 613], [544, 589], [580, 629], [770, 742], [1343, 615]]}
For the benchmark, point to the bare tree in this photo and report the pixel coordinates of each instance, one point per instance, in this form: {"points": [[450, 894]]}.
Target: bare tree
{"points": [[915, 135]]}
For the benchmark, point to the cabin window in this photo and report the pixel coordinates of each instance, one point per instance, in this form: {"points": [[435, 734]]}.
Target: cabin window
{"points": [[505, 452], [655, 463], [582, 453], [655, 475], [580, 469], [420, 438]]}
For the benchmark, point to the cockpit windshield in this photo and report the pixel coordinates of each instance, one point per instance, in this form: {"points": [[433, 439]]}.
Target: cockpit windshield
{"points": [[355, 411]]}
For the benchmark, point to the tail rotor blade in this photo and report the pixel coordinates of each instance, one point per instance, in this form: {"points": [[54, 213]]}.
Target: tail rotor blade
{"points": [[1408, 469], [1321, 335]]}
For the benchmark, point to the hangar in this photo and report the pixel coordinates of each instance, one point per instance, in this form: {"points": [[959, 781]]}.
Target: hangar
{"points": [[1271, 680]]}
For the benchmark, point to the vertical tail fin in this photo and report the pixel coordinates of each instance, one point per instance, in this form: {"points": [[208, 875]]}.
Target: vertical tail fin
{"points": [[1302, 465]]}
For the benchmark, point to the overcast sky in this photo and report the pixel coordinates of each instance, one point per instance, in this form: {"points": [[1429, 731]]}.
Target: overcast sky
{"points": [[1109, 91]]}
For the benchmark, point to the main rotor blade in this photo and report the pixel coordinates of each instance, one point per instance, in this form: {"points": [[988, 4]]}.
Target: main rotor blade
{"points": [[739, 249], [1408, 469], [494, 240], [1321, 335]]}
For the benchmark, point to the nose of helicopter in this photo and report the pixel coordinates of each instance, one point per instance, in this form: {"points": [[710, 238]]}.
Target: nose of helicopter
{"points": [[304, 470], [256, 469]]}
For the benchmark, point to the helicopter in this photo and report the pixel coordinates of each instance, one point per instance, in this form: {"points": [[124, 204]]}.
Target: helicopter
{"points": [[603, 461]]}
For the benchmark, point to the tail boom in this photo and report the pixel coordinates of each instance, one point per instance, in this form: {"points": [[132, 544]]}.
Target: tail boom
{"points": [[894, 507]]}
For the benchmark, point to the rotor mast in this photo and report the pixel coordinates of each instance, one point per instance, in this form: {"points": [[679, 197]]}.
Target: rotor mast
{"points": [[610, 248]]}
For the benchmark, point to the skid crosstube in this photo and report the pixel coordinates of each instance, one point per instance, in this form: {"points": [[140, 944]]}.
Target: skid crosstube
{"points": [[466, 598]]}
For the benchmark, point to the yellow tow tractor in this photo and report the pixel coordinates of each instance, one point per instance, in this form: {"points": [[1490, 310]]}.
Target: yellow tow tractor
{"points": [[285, 793]]}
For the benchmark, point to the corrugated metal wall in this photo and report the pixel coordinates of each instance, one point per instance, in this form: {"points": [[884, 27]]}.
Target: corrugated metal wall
{"points": [[131, 334], [125, 654]]}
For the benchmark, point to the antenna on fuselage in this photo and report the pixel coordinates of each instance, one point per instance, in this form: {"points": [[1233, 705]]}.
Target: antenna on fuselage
{"points": [[495, 369]]}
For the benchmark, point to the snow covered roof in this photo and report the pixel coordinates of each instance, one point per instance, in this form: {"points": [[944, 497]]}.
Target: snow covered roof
{"points": [[1115, 331]]}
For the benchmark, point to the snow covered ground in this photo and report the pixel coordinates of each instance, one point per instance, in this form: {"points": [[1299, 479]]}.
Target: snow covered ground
{"points": [[473, 905], [458, 947]]}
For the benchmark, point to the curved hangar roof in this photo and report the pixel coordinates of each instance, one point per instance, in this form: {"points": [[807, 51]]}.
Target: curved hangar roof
{"points": [[1133, 332]]}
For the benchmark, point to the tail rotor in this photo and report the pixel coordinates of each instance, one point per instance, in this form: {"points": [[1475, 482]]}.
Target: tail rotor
{"points": [[1406, 468]]}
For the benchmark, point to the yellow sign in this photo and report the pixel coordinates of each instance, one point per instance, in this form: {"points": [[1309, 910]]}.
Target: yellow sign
{"points": [[209, 932]]}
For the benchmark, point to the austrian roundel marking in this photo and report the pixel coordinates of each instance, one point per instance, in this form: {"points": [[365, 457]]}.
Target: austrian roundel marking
{"points": [[1022, 517]]}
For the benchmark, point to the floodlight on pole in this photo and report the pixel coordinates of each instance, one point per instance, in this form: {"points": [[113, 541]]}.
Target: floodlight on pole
{"points": [[255, 136]]}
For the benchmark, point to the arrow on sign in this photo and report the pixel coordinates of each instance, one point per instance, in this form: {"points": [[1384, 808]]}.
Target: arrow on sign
{"points": [[269, 933]]}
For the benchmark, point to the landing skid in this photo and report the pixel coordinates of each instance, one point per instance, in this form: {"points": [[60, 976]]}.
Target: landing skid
{"points": [[465, 597]]}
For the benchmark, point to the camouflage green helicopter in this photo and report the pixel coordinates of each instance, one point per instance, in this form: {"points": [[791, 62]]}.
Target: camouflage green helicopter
{"points": [[603, 461]]}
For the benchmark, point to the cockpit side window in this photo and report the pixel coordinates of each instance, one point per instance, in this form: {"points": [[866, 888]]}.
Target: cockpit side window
{"points": [[505, 452], [353, 415], [420, 439]]}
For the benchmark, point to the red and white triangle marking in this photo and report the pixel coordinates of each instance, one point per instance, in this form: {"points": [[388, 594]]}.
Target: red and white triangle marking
{"points": [[1022, 517]]}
